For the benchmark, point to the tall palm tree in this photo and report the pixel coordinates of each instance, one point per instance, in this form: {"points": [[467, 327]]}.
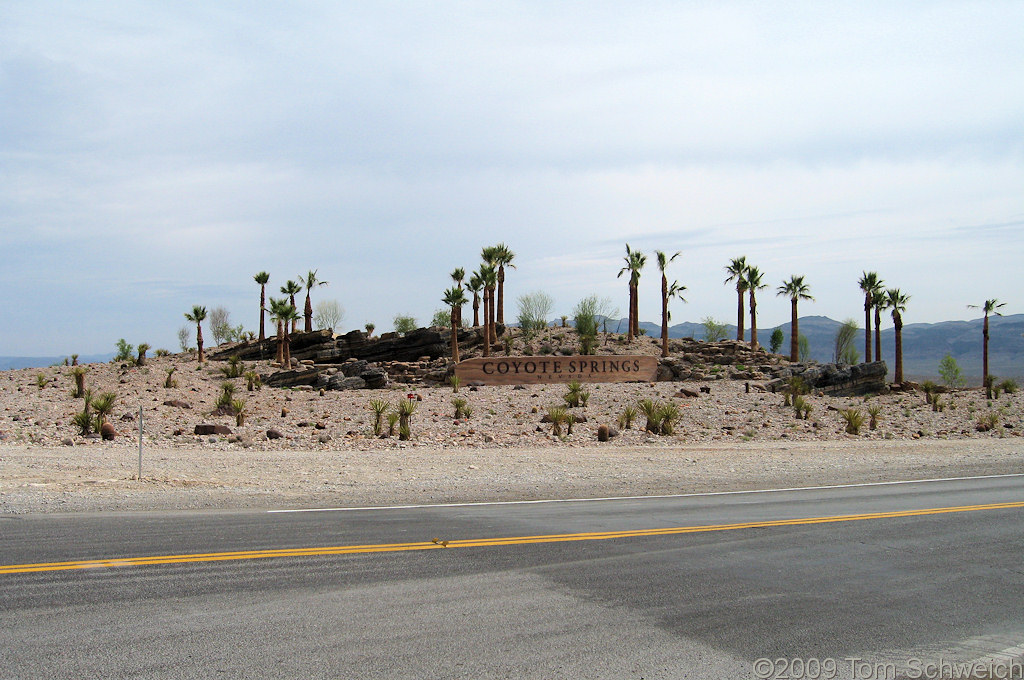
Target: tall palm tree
{"points": [[491, 256], [489, 276], [990, 307], [286, 312], [504, 259], [870, 284], [458, 274], [475, 286], [454, 297], [737, 270], [795, 289], [291, 289], [880, 301], [277, 315], [262, 278], [663, 261], [753, 278], [197, 316], [635, 261], [897, 303], [310, 281]]}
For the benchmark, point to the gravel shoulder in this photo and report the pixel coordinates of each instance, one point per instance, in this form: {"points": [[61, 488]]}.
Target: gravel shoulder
{"points": [[46, 480]]}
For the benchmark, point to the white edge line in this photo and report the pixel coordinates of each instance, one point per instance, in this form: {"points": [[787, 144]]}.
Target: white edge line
{"points": [[640, 498]]}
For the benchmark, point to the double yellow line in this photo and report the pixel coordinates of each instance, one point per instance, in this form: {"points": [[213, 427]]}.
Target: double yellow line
{"points": [[438, 544]]}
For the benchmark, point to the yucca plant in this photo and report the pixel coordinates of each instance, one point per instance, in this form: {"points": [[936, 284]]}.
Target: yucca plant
{"points": [[467, 411], [1009, 386], [455, 381], [227, 394], [938, 404], [393, 419], [854, 419], [799, 404], [78, 372], [41, 380], [252, 381], [83, 421], [234, 369], [806, 409], [558, 417], [874, 411], [651, 411], [987, 422], [379, 407], [103, 405], [238, 405], [990, 386], [142, 349], [629, 414], [572, 397], [669, 415], [460, 405], [929, 388], [170, 381], [405, 410], [584, 398], [570, 420]]}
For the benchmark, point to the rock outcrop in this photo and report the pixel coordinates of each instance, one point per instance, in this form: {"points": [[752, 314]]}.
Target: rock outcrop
{"points": [[837, 380]]}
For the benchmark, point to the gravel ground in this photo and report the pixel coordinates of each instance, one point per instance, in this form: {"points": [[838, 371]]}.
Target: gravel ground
{"points": [[328, 455]]}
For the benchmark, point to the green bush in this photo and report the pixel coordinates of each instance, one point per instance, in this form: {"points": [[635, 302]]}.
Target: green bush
{"points": [[949, 370]]}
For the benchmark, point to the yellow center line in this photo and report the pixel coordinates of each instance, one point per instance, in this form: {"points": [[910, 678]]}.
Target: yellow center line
{"points": [[477, 542]]}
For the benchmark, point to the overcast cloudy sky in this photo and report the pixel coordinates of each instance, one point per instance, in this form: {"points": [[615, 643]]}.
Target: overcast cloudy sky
{"points": [[156, 155]]}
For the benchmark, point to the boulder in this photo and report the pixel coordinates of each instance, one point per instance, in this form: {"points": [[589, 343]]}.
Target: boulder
{"points": [[306, 375], [208, 429], [177, 403]]}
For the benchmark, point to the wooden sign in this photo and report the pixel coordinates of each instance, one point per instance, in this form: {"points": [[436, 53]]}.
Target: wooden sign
{"points": [[551, 369]]}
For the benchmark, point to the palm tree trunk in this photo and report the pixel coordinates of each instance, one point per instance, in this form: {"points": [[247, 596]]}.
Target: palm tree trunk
{"points": [[664, 316], [287, 352], [501, 294], [455, 337], [899, 350], [867, 328], [636, 309], [753, 320], [279, 356], [794, 333], [629, 315], [308, 313], [878, 334], [494, 325], [476, 309], [487, 323], [199, 342], [739, 314], [984, 353], [263, 303]]}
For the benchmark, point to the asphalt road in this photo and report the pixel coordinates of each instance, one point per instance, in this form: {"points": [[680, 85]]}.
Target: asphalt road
{"points": [[617, 589]]}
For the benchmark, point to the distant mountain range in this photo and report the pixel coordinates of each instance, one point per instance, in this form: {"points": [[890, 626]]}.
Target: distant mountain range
{"points": [[9, 363], [924, 344]]}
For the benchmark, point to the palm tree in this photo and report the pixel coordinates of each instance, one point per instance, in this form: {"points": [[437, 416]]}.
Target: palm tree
{"points": [[310, 280], [489, 276], [197, 316], [291, 289], [990, 307], [454, 297], [676, 289], [284, 313], [880, 301], [635, 261], [795, 289], [504, 257], [458, 274], [491, 256], [277, 316], [753, 278], [262, 278], [897, 302], [870, 284], [475, 286], [737, 270]]}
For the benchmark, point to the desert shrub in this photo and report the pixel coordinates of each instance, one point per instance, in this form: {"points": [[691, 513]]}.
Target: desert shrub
{"points": [[328, 314], [252, 381], [938, 403], [713, 330], [369, 328], [1009, 386], [125, 351], [183, 336], [455, 381], [585, 317], [854, 420], [41, 380], [460, 406], [627, 417], [949, 370], [844, 345], [442, 318], [558, 416], [141, 357], [161, 352], [987, 422], [227, 394], [534, 310], [404, 324], [928, 387], [170, 382], [775, 343], [804, 348]]}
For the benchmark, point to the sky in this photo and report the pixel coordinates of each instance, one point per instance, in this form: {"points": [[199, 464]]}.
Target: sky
{"points": [[157, 155]]}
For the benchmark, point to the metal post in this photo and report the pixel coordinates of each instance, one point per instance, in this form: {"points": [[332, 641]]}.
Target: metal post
{"points": [[140, 443]]}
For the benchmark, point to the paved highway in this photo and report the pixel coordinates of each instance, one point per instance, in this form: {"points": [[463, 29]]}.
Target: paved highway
{"points": [[675, 587]]}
